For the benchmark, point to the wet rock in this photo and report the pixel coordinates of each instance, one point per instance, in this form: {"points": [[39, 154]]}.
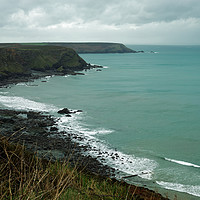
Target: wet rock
{"points": [[64, 111], [6, 120], [53, 128], [76, 73], [32, 115]]}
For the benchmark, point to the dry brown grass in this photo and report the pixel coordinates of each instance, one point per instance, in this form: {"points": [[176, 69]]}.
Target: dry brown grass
{"points": [[25, 176]]}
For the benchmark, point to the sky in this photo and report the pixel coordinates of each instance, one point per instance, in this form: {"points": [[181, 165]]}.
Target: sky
{"points": [[175, 22]]}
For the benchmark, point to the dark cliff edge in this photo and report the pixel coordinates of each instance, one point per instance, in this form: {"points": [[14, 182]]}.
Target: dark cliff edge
{"points": [[20, 63]]}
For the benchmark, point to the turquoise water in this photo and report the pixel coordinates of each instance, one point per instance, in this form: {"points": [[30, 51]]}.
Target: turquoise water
{"points": [[144, 107]]}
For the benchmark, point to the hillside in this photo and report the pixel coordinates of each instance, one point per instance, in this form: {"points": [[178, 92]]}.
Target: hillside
{"points": [[20, 60]]}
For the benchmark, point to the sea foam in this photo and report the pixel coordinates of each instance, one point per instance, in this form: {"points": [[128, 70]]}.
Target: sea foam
{"points": [[190, 189], [4, 93], [101, 150], [20, 103], [182, 162]]}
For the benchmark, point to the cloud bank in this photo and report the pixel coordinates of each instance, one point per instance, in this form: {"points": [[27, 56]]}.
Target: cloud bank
{"points": [[127, 21]]}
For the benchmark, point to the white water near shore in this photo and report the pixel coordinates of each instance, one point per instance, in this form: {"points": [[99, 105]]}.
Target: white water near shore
{"points": [[128, 164], [20, 103], [190, 189]]}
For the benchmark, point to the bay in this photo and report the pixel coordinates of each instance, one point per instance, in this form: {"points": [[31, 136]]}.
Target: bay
{"points": [[144, 107]]}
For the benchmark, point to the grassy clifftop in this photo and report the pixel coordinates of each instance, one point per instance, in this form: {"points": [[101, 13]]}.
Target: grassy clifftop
{"points": [[21, 59]]}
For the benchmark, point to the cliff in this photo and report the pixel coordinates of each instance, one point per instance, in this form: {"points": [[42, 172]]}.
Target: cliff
{"points": [[21, 60]]}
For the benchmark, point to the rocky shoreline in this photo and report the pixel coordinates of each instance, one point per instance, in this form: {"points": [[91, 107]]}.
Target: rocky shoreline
{"points": [[19, 78], [39, 133]]}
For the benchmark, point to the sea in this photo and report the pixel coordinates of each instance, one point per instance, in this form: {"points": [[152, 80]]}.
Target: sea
{"points": [[141, 113]]}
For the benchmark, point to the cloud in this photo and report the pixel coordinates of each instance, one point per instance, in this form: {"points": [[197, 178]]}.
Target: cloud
{"points": [[130, 21]]}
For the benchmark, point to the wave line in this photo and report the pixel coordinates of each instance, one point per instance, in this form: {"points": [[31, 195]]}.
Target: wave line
{"points": [[182, 163]]}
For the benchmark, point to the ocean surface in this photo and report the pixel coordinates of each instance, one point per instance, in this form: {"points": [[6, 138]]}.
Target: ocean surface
{"points": [[141, 113]]}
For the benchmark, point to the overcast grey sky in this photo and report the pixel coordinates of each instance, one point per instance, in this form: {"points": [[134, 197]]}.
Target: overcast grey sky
{"points": [[126, 21]]}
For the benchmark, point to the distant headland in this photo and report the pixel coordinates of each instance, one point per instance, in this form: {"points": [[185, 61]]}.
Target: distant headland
{"points": [[83, 47], [96, 47]]}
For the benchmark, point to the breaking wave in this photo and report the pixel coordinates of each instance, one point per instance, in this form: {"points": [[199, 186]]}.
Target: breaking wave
{"points": [[20, 103], [182, 163], [190, 189], [128, 164]]}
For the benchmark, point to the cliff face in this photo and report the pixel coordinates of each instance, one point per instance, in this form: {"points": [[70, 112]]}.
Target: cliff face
{"points": [[21, 60]]}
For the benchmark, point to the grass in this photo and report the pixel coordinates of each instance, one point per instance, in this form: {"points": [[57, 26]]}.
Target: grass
{"points": [[23, 175]]}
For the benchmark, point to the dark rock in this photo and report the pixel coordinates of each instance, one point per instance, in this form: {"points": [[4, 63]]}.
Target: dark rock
{"points": [[76, 73], [68, 115], [53, 128], [6, 120], [32, 115], [64, 111]]}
